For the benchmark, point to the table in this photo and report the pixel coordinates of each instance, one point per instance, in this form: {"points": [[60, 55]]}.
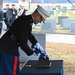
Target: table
{"points": [[31, 68]]}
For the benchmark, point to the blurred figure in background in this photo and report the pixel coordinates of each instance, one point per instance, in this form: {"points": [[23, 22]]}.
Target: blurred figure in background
{"points": [[14, 13], [21, 10], [1, 20], [11, 15], [6, 14]]}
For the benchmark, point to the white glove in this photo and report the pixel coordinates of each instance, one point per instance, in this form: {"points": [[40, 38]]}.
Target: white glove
{"points": [[38, 50], [14, 13]]}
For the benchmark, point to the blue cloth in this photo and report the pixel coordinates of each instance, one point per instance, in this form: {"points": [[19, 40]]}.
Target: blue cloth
{"points": [[9, 65], [38, 50]]}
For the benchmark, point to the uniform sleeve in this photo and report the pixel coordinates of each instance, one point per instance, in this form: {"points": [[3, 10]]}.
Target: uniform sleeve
{"points": [[23, 41], [32, 39]]}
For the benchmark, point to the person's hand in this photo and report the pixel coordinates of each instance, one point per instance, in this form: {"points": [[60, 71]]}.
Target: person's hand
{"points": [[38, 50], [14, 13]]}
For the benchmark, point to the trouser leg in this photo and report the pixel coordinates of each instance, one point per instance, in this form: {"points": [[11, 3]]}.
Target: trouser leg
{"points": [[2, 66], [9, 64]]}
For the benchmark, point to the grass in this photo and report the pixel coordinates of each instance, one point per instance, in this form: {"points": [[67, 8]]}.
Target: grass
{"points": [[62, 31], [65, 52], [36, 29], [58, 30]]}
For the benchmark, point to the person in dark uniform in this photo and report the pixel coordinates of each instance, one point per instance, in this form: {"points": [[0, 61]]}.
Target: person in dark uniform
{"points": [[1, 20], [17, 36], [6, 19], [14, 13], [11, 15]]}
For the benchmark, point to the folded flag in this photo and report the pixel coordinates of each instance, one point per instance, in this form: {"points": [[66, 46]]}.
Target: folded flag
{"points": [[38, 50]]}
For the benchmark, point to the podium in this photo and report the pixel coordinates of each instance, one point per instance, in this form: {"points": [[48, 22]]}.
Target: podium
{"points": [[31, 68]]}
